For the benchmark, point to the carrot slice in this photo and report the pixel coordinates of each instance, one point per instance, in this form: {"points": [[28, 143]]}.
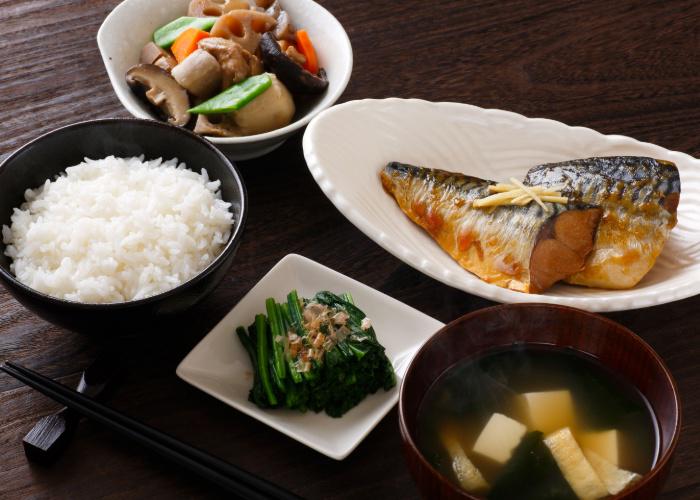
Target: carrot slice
{"points": [[305, 46], [186, 43]]}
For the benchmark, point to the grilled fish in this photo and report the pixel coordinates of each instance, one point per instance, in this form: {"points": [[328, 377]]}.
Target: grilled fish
{"points": [[518, 247], [639, 197]]}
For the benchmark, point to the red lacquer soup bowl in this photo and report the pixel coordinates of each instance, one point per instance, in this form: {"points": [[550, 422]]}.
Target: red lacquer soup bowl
{"points": [[614, 346]]}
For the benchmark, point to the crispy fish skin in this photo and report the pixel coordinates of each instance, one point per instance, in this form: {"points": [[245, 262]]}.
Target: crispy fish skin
{"points": [[639, 196], [517, 247]]}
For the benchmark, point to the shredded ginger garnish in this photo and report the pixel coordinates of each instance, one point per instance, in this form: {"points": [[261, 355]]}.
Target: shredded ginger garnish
{"points": [[519, 194]]}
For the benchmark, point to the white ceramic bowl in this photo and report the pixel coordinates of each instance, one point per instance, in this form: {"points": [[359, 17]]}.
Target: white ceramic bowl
{"points": [[131, 24], [346, 146]]}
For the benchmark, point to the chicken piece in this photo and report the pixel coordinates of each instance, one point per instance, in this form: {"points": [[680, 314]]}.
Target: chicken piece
{"points": [[236, 63]]}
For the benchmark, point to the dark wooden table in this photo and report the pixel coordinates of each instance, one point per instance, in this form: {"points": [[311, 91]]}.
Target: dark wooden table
{"points": [[629, 67]]}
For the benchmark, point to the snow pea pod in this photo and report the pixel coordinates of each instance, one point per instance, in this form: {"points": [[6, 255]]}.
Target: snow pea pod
{"points": [[235, 97], [166, 35]]}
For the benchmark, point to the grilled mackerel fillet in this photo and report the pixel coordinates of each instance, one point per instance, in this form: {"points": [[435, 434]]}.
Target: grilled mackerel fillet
{"points": [[639, 197], [517, 247]]}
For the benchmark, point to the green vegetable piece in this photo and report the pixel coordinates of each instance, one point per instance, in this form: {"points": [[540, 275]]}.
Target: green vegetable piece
{"points": [[531, 474], [235, 97], [279, 334], [243, 336], [264, 358], [296, 376], [279, 383], [358, 351], [356, 315], [314, 373], [257, 393], [354, 368], [295, 313], [166, 35], [291, 363], [285, 315]]}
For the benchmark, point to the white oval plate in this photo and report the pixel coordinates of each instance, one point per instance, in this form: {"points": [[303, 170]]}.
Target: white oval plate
{"points": [[347, 145]]}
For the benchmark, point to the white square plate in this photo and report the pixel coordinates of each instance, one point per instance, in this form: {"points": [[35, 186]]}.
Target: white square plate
{"points": [[219, 365]]}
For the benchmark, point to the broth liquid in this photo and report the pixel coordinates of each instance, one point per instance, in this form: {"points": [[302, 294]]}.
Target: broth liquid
{"points": [[466, 395]]}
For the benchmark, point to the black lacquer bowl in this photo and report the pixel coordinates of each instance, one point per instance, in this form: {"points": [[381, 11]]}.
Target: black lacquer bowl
{"points": [[50, 154]]}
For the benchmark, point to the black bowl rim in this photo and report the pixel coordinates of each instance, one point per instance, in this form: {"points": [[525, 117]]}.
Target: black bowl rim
{"points": [[232, 244], [664, 458]]}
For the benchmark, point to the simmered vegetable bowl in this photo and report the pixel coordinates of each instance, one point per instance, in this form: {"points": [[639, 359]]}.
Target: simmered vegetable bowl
{"points": [[229, 68]]}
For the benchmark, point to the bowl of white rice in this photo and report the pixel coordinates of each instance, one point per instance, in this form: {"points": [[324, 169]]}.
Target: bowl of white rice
{"points": [[108, 225]]}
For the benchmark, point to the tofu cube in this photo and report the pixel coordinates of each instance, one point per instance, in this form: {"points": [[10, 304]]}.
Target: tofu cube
{"points": [[549, 411], [603, 443], [499, 438], [576, 469], [614, 478], [465, 471]]}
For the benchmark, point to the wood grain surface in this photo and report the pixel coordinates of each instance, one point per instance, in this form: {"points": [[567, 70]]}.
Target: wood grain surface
{"points": [[626, 67]]}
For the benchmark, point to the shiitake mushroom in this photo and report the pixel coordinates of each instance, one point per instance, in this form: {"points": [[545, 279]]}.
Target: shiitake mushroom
{"points": [[161, 91], [296, 79]]}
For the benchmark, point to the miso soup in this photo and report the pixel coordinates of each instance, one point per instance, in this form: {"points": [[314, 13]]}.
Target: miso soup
{"points": [[537, 423]]}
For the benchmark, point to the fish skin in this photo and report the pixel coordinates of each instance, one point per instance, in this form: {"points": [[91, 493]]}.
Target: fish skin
{"points": [[639, 196], [496, 244]]}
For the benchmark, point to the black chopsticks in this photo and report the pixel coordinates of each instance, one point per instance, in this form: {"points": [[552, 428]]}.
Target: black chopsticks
{"points": [[227, 476]]}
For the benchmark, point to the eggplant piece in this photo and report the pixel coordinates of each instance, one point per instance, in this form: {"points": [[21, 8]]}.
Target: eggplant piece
{"points": [[295, 78], [161, 91]]}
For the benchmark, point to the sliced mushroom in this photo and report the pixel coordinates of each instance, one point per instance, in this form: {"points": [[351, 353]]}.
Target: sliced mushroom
{"points": [[215, 8], [200, 73], [152, 54], [243, 27], [236, 63], [216, 126], [161, 91], [296, 78]]}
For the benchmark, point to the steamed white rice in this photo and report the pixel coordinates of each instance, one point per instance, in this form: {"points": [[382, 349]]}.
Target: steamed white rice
{"points": [[117, 229]]}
